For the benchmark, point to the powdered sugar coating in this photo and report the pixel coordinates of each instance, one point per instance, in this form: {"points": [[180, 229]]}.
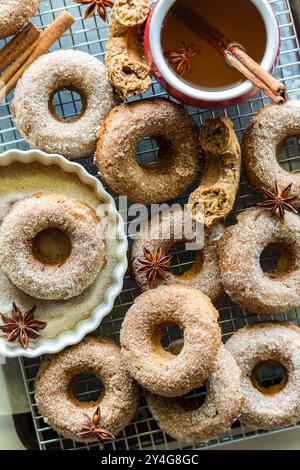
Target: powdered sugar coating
{"points": [[177, 163], [242, 276], [269, 341], [161, 232], [221, 408], [14, 14], [157, 370], [32, 215], [98, 356], [269, 128], [50, 73]]}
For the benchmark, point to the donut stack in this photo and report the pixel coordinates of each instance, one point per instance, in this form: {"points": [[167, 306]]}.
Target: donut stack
{"points": [[233, 389], [200, 359]]}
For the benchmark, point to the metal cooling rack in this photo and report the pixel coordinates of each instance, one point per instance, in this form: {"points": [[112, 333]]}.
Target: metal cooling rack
{"points": [[90, 36]]}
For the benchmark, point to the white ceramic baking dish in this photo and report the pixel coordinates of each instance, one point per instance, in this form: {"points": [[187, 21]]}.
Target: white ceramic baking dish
{"points": [[73, 336]]}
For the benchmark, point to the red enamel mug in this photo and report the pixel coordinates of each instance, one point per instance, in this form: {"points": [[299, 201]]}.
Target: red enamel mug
{"points": [[198, 97]]}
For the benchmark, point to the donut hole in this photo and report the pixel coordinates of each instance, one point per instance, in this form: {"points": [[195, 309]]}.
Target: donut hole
{"points": [[288, 154], [85, 388], [186, 263], [194, 399], [148, 152], [67, 104], [51, 246], [269, 377], [166, 334], [276, 260]]}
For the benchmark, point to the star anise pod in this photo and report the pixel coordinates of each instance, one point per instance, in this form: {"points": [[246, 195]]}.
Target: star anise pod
{"points": [[181, 59], [155, 265], [91, 426], [279, 200], [21, 328], [100, 5]]}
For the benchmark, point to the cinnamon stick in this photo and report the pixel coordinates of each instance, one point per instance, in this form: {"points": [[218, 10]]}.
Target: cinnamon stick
{"points": [[235, 55], [19, 44], [276, 91], [10, 72], [276, 87], [51, 34]]}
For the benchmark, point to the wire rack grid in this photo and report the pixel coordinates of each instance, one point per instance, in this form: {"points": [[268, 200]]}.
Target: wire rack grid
{"points": [[90, 36]]}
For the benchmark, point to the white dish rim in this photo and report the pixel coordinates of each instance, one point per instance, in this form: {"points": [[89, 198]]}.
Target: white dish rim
{"points": [[74, 336]]}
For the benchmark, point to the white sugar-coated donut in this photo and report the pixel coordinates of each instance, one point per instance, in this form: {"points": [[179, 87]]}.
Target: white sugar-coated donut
{"points": [[32, 107], [243, 278], [158, 370], [53, 388], [14, 14], [31, 216], [262, 343], [221, 408]]}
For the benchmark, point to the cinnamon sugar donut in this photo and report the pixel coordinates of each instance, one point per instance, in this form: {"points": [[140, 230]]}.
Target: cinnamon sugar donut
{"points": [[261, 344], [242, 276], [177, 163], [162, 232], [33, 111], [157, 370], [100, 357], [126, 66], [23, 262], [221, 171], [221, 408], [268, 130], [14, 14]]}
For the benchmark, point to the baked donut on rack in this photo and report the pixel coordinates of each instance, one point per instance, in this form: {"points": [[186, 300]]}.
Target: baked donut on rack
{"points": [[270, 344], [14, 14], [240, 249], [67, 415], [221, 408], [221, 171], [158, 370], [177, 162], [33, 111], [162, 234], [126, 66], [270, 128], [71, 225]]}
